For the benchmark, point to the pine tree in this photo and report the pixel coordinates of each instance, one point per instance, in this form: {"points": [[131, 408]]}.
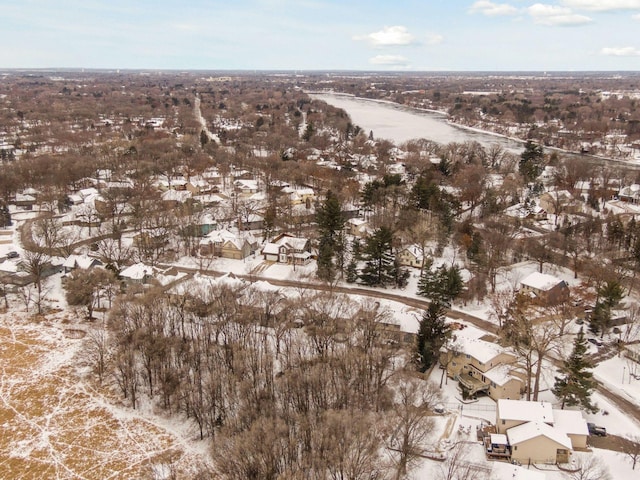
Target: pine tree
{"points": [[531, 161], [5, 215], [352, 272], [330, 225], [442, 285], [379, 268], [432, 335], [609, 296], [576, 384]]}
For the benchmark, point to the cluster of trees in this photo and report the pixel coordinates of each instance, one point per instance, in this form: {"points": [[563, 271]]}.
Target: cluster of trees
{"points": [[329, 398]]}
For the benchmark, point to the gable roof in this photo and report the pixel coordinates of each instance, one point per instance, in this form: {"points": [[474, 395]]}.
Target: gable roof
{"points": [[540, 281], [137, 271], [570, 422], [530, 430], [525, 411], [80, 261]]}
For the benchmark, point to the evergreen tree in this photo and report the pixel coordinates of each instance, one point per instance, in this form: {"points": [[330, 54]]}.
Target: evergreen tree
{"points": [[432, 335], [531, 161], [330, 225], [576, 384], [442, 285], [352, 272], [379, 268], [400, 274], [609, 295], [5, 215]]}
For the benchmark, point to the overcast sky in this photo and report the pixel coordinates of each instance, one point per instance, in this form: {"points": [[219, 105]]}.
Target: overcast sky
{"points": [[321, 34]]}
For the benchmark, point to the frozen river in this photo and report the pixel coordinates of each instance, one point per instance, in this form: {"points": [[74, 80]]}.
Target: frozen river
{"points": [[399, 124]]}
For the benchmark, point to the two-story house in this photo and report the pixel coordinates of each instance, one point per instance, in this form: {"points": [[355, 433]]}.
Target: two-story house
{"points": [[481, 366], [288, 249]]}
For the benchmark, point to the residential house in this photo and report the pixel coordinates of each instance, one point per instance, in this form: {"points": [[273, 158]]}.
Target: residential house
{"points": [[537, 433], [557, 202], [25, 201], [173, 198], [358, 227], [225, 244], [535, 442], [411, 256], [82, 262], [288, 249], [253, 221], [300, 196], [630, 193], [200, 186], [481, 366], [545, 289], [138, 273], [245, 188]]}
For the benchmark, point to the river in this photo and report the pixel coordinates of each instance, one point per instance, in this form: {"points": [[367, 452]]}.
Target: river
{"points": [[399, 123]]}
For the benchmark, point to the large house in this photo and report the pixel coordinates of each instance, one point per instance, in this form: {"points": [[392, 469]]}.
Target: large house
{"points": [[536, 433], [481, 366], [545, 289], [288, 249], [225, 244]]}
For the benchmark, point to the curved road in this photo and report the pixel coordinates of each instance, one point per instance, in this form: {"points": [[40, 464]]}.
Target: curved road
{"points": [[622, 403]]}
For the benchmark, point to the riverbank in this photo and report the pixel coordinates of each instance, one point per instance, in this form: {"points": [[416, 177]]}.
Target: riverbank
{"points": [[363, 112]]}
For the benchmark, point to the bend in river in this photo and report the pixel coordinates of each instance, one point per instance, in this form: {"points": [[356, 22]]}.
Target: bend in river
{"points": [[399, 123]]}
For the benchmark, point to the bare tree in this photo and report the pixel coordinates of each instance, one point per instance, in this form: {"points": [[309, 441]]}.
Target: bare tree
{"points": [[456, 466], [411, 422], [97, 350], [632, 449], [590, 467], [37, 265]]}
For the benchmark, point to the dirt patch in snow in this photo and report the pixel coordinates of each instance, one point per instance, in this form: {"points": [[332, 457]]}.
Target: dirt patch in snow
{"points": [[56, 425]]}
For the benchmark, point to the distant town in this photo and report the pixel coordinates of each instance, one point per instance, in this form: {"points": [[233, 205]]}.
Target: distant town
{"points": [[231, 275]]}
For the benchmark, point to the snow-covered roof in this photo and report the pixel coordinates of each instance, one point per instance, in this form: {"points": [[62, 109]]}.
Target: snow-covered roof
{"points": [[499, 439], [540, 281], [525, 411], [137, 271], [501, 374], [78, 261], [415, 250], [271, 248], [180, 196], [530, 430], [479, 349], [570, 422]]}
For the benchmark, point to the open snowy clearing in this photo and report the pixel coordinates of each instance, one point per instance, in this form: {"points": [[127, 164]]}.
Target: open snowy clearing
{"points": [[56, 424]]}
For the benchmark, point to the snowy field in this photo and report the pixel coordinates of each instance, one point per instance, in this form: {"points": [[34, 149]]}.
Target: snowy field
{"points": [[58, 424]]}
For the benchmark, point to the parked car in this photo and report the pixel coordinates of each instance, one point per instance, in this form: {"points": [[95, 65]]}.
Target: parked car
{"points": [[13, 254], [596, 430]]}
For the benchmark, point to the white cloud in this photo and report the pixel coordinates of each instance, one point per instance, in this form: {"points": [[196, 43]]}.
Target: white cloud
{"points": [[388, 36], [620, 51], [434, 39], [636, 16], [389, 60], [602, 5], [491, 9], [553, 15]]}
